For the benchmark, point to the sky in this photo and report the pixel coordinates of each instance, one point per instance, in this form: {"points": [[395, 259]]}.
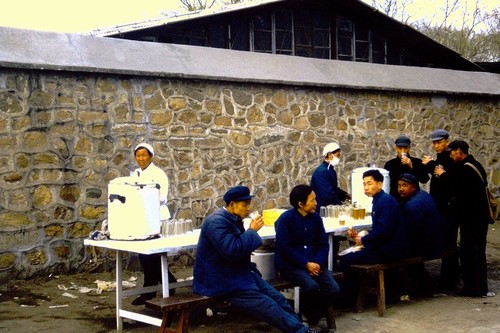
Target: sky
{"points": [[74, 16]]}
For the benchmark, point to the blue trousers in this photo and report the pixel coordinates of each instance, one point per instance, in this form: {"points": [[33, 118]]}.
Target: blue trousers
{"points": [[317, 293], [268, 304]]}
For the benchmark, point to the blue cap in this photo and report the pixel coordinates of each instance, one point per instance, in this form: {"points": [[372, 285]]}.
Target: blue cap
{"points": [[402, 141], [439, 134], [409, 178], [238, 193]]}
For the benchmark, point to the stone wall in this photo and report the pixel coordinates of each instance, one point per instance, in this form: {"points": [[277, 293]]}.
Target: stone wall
{"points": [[64, 136]]}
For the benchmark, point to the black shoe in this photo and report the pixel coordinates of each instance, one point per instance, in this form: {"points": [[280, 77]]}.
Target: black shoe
{"points": [[141, 300]]}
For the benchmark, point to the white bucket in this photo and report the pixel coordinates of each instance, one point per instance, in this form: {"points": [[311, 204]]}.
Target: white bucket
{"points": [[265, 264], [133, 208], [358, 194]]}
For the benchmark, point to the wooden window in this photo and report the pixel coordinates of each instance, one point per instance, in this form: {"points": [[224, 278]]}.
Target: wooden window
{"points": [[312, 34], [355, 42], [239, 35]]}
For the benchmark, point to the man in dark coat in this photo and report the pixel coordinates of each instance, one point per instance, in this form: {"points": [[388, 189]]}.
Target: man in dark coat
{"points": [[404, 163], [442, 191], [324, 183], [324, 180], [222, 266], [425, 229], [473, 218]]}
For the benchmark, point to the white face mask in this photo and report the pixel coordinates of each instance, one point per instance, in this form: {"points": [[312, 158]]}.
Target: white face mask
{"points": [[334, 161]]}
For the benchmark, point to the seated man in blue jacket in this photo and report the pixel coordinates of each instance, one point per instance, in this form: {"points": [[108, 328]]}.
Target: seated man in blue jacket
{"points": [[425, 229], [222, 264], [302, 253], [387, 240]]}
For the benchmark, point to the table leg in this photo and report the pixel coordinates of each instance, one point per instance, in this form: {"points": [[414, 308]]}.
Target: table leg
{"points": [[119, 291], [330, 252], [164, 275]]}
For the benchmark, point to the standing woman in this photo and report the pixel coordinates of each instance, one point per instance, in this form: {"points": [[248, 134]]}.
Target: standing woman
{"points": [[151, 264]]}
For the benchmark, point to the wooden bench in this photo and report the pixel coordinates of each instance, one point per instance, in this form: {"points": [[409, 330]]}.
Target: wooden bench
{"points": [[364, 288], [183, 302], [365, 271]]}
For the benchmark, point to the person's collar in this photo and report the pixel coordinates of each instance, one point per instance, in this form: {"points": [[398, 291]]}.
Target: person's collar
{"points": [[233, 216]]}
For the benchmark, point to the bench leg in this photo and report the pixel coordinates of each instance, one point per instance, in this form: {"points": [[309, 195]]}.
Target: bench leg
{"points": [[330, 318], [165, 323], [364, 279], [381, 294], [183, 323]]}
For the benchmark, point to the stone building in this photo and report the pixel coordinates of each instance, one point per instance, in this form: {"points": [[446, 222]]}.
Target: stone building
{"points": [[73, 107]]}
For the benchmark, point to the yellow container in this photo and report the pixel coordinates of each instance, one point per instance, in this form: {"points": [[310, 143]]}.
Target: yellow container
{"points": [[271, 215]]}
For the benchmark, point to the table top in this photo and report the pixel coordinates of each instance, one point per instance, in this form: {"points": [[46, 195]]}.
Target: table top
{"points": [[190, 240]]}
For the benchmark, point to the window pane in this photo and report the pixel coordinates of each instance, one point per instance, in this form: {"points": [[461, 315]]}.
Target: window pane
{"points": [[361, 32], [262, 22], [378, 49], [262, 33], [239, 35], [283, 40], [321, 53], [362, 51], [217, 36], [344, 26], [322, 38], [344, 45], [283, 20], [303, 51], [303, 37], [262, 41]]}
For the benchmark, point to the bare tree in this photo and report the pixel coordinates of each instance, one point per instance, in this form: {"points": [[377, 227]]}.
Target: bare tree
{"points": [[192, 5], [467, 38], [394, 8]]}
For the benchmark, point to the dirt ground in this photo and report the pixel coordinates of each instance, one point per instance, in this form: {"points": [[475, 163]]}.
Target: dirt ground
{"points": [[70, 303]]}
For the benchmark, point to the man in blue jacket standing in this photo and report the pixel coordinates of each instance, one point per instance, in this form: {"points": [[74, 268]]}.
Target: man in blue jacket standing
{"points": [[324, 180], [222, 265], [324, 183]]}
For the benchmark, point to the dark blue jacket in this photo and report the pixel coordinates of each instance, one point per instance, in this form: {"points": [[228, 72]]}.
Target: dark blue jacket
{"points": [[325, 185], [424, 225], [442, 188], [222, 264], [388, 236], [299, 240], [396, 168]]}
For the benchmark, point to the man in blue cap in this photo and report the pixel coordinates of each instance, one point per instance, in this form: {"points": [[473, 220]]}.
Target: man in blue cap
{"points": [[222, 266], [442, 191], [425, 229], [404, 163]]}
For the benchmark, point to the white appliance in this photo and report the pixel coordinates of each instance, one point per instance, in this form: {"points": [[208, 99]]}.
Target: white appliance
{"points": [[358, 194], [264, 260], [133, 208]]}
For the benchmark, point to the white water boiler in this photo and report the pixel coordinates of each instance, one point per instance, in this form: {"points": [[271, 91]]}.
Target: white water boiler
{"points": [[133, 208], [358, 193]]}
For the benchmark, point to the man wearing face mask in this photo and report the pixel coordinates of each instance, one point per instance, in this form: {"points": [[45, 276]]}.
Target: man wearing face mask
{"points": [[324, 179], [325, 185]]}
